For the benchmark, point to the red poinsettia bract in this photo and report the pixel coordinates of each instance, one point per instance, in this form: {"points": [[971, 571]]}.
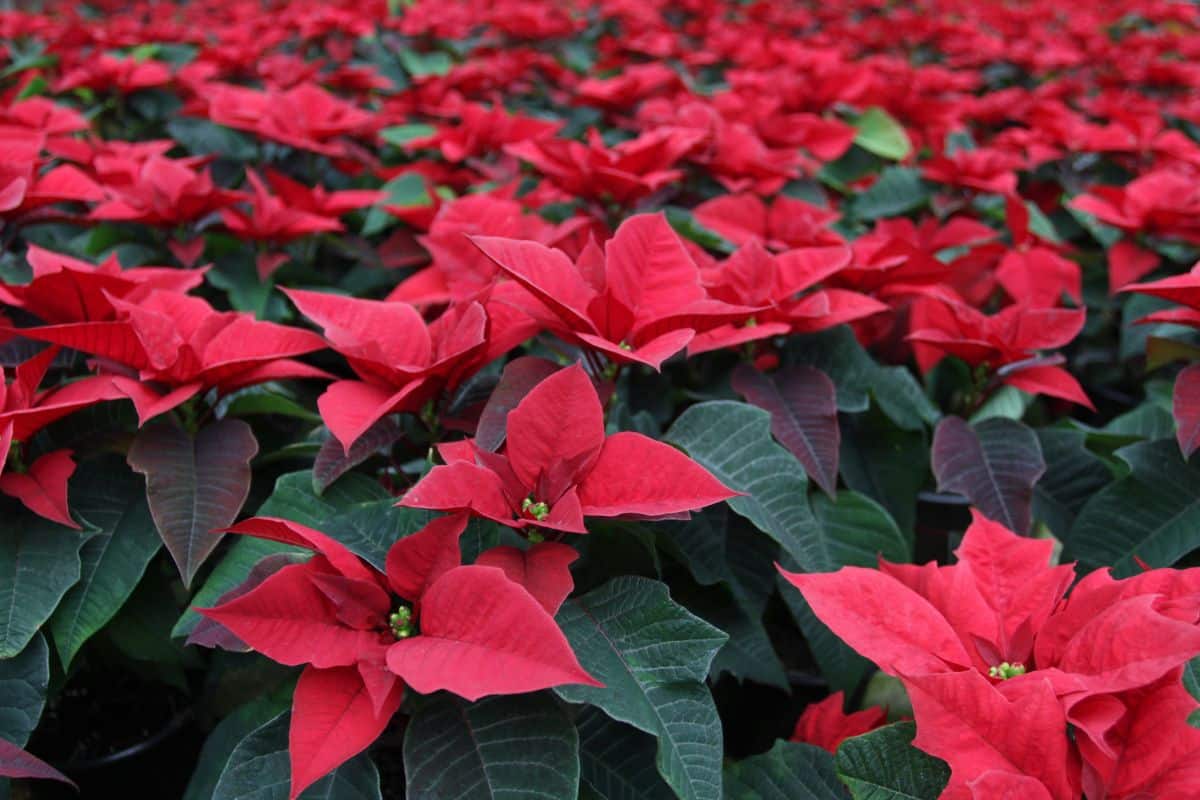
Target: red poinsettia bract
{"points": [[639, 300], [427, 622], [558, 466], [998, 660], [167, 347], [42, 486]]}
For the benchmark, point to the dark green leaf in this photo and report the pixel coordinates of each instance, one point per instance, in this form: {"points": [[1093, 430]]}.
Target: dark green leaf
{"points": [[898, 190], [258, 770], [24, 680], [39, 562], [1153, 514], [788, 771], [617, 761], [883, 765], [652, 657], [112, 498], [499, 748]]}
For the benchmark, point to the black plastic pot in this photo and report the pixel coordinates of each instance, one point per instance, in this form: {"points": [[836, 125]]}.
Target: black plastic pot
{"points": [[114, 733]]}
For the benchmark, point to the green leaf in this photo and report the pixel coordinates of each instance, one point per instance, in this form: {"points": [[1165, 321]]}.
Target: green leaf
{"points": [[419, 65], [1008, 402], [257, 400], [404, 191], [881, 134], [864, 529], [733, 441], [1073, 474], [400, 135], [498, 748], [24, 680], [113, 499], [1152, 514], [616, 761], [1102, 232], [258, 770], [220, 744], [897, 191], [686, 225], [885, 463], [748, 653], [293, 497], [39, 562], [202, 137], [883, 765], [652, 657], [195, 485], [788, 771]]}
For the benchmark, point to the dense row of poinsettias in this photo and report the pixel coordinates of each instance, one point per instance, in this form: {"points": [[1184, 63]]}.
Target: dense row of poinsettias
{"points": [[458, 302]]}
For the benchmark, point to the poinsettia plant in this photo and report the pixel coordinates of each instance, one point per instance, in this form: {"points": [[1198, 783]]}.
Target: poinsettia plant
{"points": [[697, 399]]}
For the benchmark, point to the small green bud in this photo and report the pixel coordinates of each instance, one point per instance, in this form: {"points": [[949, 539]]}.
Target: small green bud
{"points": [[401, 622], [752, 323], [535, 537], [625, 346], [1005, 670], [538, 511]]}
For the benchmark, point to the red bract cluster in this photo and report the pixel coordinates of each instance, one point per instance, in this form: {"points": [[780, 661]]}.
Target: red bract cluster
{"points": [[997, 663], [448, 302]]}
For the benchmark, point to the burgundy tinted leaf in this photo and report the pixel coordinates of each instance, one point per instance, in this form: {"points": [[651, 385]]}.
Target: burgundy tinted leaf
{"points": [[195, 486], [994, 464], [802, 402], [1186, 407], [16, 763], [333, 461], [519, 376]]}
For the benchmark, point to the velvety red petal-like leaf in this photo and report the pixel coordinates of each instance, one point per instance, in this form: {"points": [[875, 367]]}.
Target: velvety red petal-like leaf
{"points": [[547, 273], [977, 728], [638, 475], [883, 620], [461, 486], [559, 420], [289, 532], [1127, 262], [826, 725], [519, 377], [544, 570], [417, 560], [482, 634], [289, 620], [333, 720], [1050, 381], [350, 408], [43, 489], [195, 486], [802, 402], [210, 633]]}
